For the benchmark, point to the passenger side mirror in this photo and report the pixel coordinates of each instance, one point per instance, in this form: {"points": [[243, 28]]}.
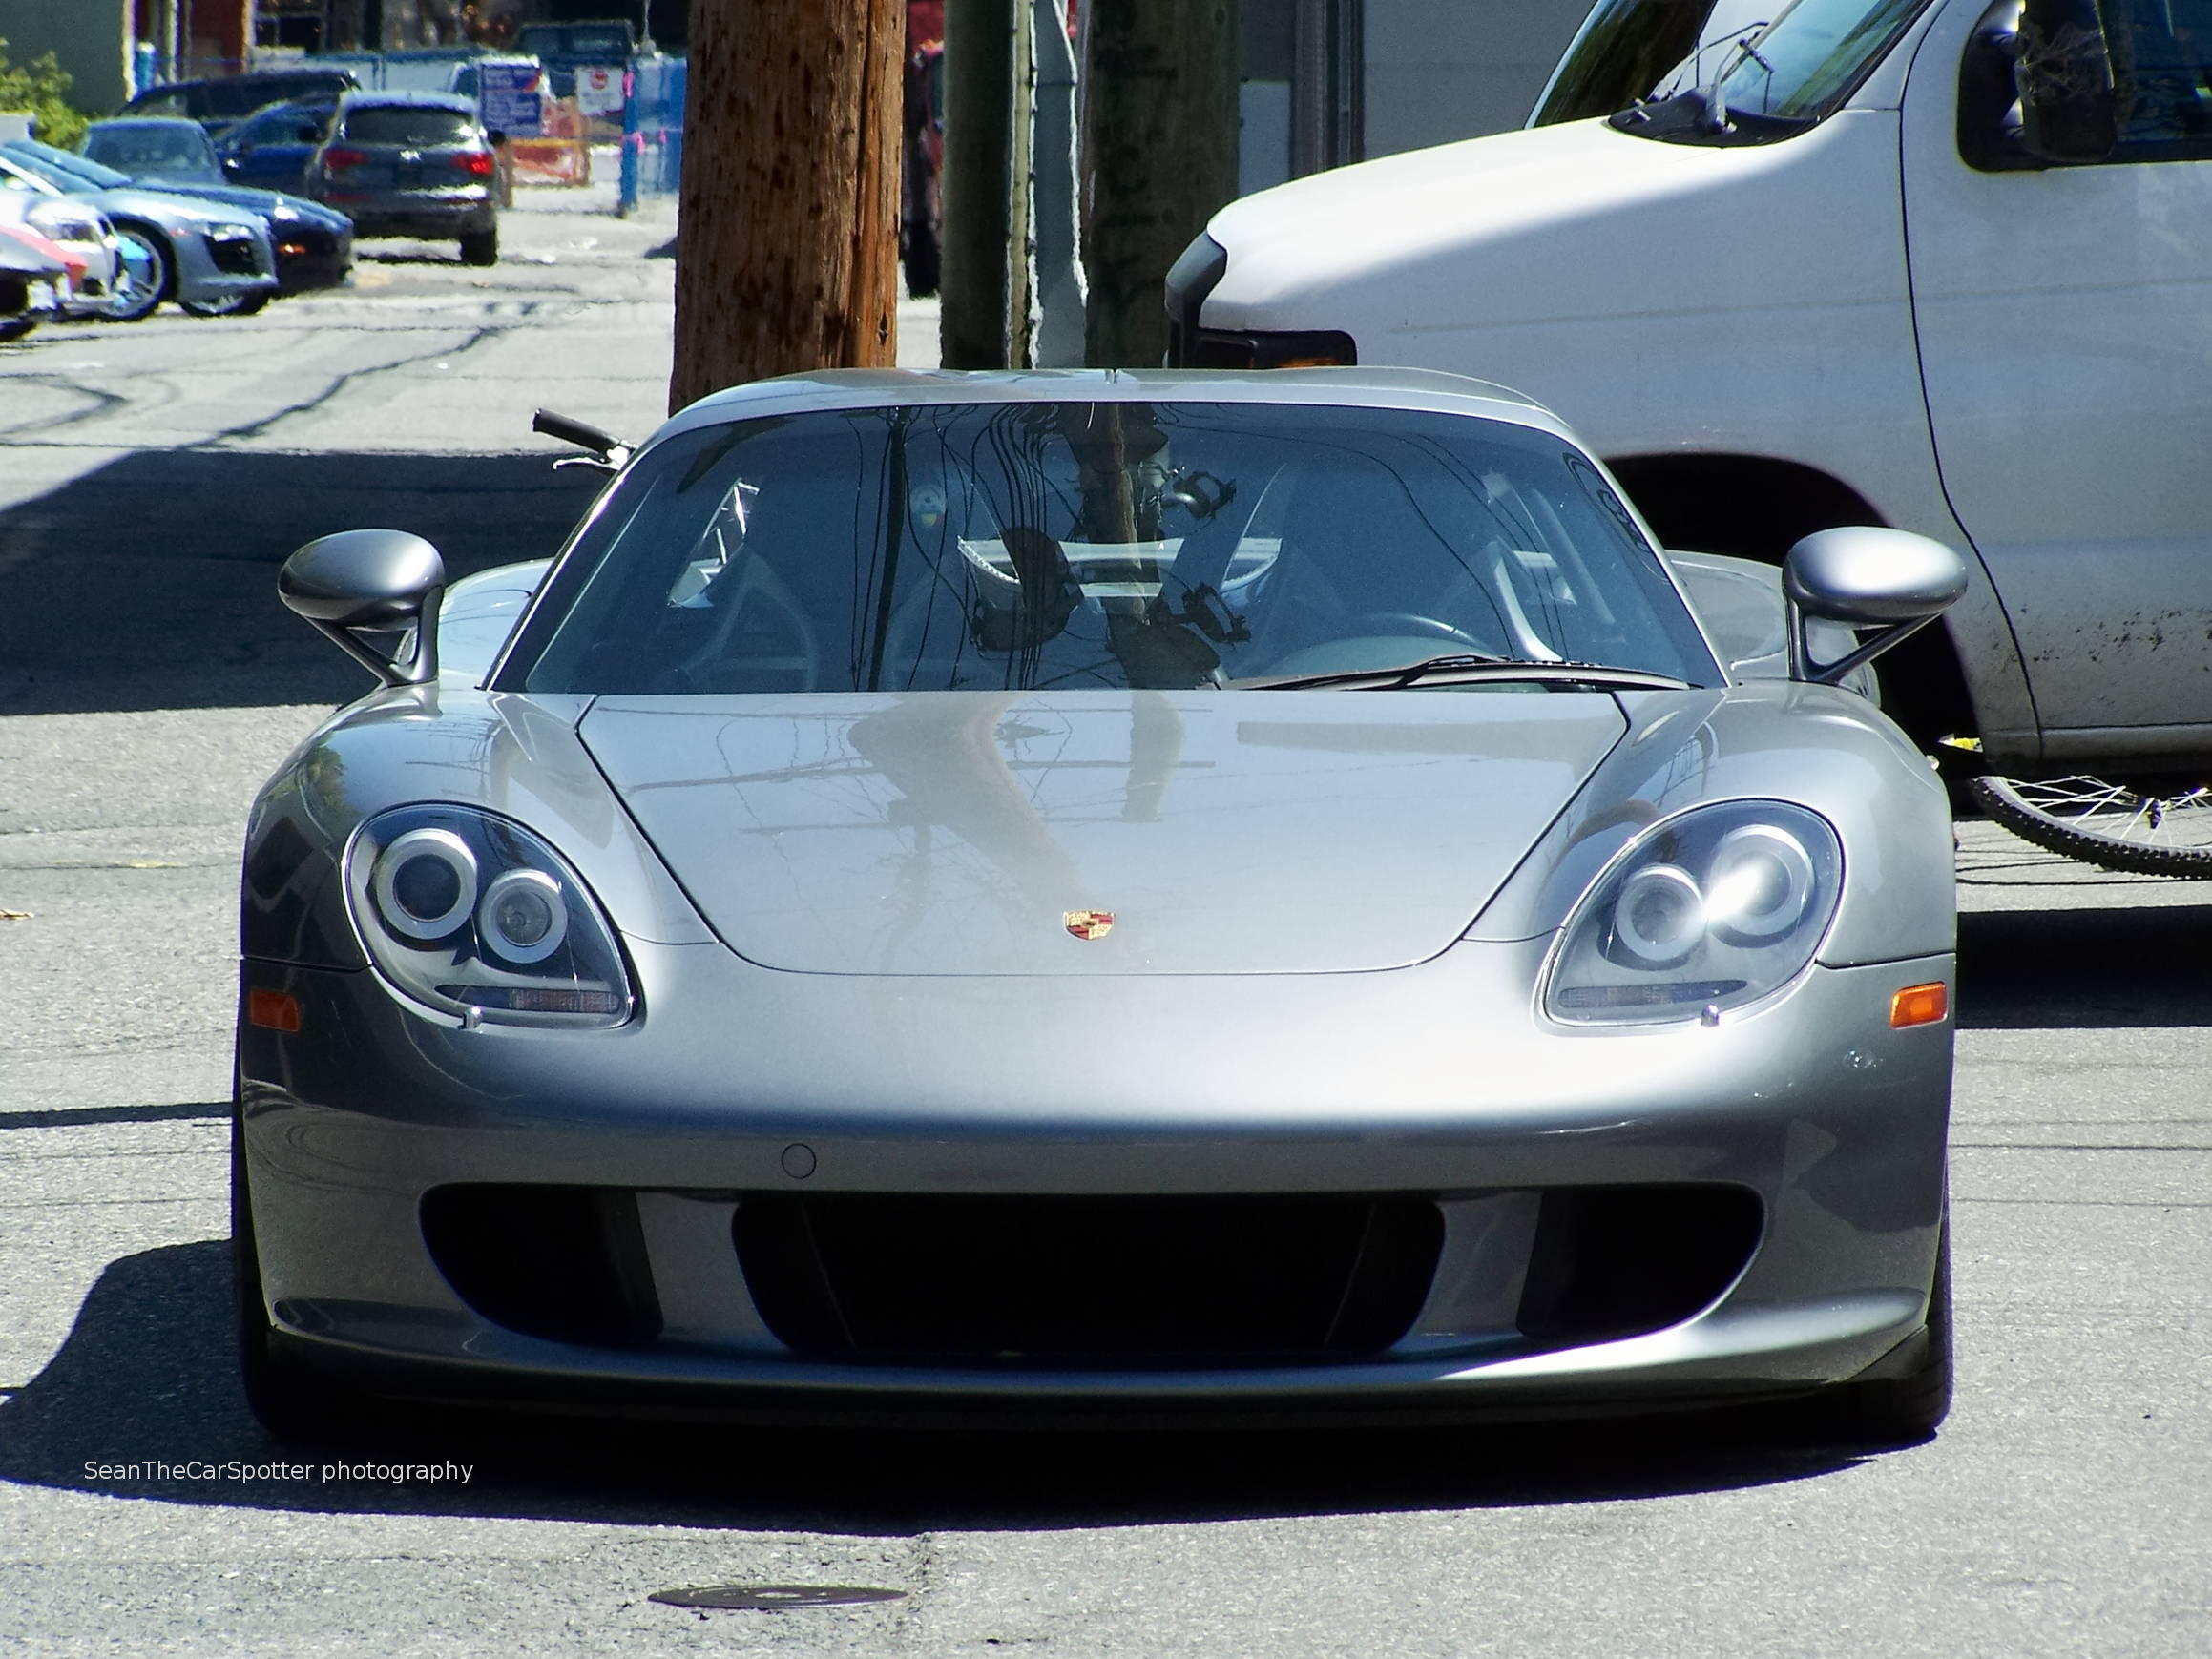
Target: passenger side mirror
{"points": [[370, 582], [1865, 577], [2068, 111]]}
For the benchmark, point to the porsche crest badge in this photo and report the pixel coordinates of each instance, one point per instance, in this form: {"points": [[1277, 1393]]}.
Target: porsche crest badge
{"points": [[1088, 923]]}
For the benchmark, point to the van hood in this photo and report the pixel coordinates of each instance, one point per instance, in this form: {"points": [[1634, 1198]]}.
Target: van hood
{"points": [[961, 833], [1546, 223]]}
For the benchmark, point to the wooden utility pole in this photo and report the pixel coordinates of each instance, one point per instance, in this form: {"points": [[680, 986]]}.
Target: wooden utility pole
{"points": [[1160, 156], [788, 255]]}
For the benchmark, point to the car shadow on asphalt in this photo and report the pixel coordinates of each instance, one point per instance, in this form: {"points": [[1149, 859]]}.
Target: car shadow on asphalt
{"points": [[148, 1376], [2138, 965], [151, 582]]}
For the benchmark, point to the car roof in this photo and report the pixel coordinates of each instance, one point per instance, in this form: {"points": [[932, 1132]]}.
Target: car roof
{"points": [[252, 77], [425, 100], [1359, 388], [180, 122]]}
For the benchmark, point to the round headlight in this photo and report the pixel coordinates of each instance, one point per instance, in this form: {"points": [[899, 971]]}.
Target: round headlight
{"points": [[1659, 917], [524, 916], [1759, 885], [424, 883]]}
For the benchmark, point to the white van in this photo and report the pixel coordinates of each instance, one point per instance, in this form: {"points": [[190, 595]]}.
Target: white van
{"points": [[1834, 268]]}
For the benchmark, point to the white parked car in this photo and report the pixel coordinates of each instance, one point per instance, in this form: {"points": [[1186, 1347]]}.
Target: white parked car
{"points": [[1834, 268]]}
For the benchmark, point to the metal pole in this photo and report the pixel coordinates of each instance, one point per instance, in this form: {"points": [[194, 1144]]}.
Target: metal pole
{"points": [[1059, 264], [632, 142], [979, 38]]}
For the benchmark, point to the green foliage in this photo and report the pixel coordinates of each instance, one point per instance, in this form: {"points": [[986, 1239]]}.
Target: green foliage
{"points": [[43, 88]]}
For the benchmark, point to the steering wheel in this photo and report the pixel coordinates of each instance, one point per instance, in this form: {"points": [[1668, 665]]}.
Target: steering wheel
{"points": [[1404, 622]]}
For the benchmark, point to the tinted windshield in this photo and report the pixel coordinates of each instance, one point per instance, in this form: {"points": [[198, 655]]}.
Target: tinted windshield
{"points": [[1795, 62], [1814, 56], [1084, 546], [1625, 49], [181, 152], [65, 171], [416, 125], [250, 93], [280, 124]]}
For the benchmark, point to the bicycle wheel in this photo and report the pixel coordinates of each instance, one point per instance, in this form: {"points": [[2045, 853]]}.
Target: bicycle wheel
{"points": [[2111, 825]]}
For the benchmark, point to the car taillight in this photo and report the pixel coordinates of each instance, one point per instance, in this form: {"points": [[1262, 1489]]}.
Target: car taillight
{"points": [[474, 161], [334, 159]]}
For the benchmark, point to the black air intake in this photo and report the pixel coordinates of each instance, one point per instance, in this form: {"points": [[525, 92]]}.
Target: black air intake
{"points": [[566, 1263], [1089, 1281], [1618, 1261]]}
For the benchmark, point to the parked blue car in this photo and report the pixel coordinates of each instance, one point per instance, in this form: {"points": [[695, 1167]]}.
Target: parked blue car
{"points": [[270, 149]]}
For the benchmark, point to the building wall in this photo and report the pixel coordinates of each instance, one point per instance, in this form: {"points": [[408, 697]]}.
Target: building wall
{"points": [[91, 38], [1443, 70]]}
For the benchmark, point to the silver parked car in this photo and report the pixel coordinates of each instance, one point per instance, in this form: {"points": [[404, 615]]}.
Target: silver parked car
{"points": [[212, 259], [1103, 893]]}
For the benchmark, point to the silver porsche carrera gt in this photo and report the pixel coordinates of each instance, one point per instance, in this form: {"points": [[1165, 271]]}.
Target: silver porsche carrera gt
{"points": [[1102, 895]]}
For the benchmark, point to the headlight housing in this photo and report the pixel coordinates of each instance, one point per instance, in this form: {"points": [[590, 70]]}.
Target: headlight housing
{"points": [[470, 917], [63, 222], [1707, 912]]}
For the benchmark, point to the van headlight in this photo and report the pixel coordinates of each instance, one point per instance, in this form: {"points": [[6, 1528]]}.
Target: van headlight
{"points": [[1713, 909], [471, 916]]}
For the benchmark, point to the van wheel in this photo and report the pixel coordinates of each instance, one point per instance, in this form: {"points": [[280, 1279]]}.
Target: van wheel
{"points": [[480, 248]]}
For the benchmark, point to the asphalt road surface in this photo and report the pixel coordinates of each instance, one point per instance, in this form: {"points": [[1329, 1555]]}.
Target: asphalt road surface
{"points": [[151, 477]]}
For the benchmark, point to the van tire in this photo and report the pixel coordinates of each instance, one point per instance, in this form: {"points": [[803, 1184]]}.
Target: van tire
{"points": [[480, 247]]}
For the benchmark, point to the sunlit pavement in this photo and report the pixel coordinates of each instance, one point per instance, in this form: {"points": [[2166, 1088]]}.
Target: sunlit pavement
{"points": [[150, 480]]}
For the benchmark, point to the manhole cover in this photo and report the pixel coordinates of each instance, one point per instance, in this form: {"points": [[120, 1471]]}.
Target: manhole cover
{"points": [[775, 1598]]}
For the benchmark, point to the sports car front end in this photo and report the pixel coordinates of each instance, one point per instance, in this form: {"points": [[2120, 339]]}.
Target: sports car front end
{"points": [[735, 1024]]}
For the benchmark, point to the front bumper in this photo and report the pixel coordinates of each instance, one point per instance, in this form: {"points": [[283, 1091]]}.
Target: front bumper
{"points": [[433, 218], [1355, 1084], [313, 259], [209, 271]]}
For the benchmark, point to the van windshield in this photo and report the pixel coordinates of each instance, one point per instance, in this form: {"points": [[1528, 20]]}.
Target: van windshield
{"points": [[1793, 64]]}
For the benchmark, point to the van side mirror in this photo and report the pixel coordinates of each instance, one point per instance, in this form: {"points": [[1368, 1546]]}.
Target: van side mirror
{"points": [[1865, 577], [2068, 111], [371, 582]]}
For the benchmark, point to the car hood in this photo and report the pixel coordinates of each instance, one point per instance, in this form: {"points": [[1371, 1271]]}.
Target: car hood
{"points": [[958, 833], [1548, 223], [165, 207], [265, 202]]}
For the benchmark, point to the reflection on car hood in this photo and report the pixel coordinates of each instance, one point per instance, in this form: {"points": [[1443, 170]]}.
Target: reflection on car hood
{"points": [[165, 207], [954, 833], [265, 202]]}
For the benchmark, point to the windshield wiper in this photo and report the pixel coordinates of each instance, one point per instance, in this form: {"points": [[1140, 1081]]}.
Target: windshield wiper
{"points": [[1465, 668]]}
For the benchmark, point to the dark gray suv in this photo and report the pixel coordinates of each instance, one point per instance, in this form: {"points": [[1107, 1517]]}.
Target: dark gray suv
{"points": [[410, 164]]}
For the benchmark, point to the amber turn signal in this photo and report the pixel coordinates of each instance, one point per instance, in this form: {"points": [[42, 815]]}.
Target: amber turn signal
{"points": [[1920, 1005], [278, 1010]]}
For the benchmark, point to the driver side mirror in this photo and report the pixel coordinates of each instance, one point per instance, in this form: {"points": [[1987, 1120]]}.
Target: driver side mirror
{"points": [[371, 582], [2069, 110], [1865, 577]]}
